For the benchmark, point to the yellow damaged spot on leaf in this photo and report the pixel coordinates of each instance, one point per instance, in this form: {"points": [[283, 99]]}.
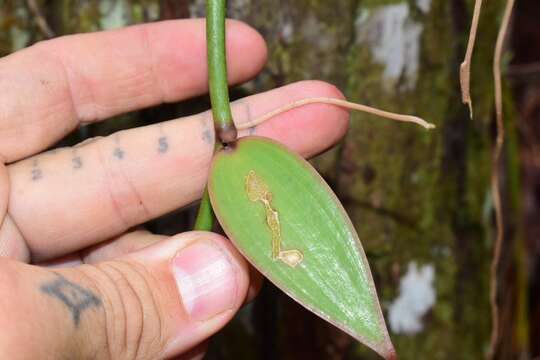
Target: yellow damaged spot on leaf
{"points": [[257, 191]]}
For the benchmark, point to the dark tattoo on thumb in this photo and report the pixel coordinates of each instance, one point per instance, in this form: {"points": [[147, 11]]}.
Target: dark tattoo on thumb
{"points": [[76, 298]]}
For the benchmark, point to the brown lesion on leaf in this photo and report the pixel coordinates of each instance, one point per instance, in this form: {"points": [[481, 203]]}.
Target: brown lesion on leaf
{"points": [[257, 191]]}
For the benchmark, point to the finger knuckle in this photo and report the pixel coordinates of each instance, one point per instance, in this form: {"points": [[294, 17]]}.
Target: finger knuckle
{"points": [[126, 200], [132, 315], [77, 88]]}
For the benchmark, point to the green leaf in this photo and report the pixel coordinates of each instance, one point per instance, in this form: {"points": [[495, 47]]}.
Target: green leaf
{"points": [[288, 223]]}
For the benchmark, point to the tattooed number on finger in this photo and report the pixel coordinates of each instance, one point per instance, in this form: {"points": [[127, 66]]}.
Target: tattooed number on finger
{"points": [[37, 174], [163, 145]]}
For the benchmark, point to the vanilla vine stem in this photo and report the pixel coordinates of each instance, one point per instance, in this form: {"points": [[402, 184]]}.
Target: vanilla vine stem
{"points": [[205, 214], [217, 70], [219, 95]]}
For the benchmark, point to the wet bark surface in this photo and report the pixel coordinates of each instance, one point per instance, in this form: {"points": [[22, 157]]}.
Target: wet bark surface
{"points": [[419, 200]]}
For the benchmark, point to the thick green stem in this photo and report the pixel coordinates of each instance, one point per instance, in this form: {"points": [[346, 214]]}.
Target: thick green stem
{"points": [[205, 215], [219, 95], [217, 70]]}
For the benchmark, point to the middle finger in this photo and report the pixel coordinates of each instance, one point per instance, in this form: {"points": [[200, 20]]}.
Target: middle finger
{"points": [[69, 199]]}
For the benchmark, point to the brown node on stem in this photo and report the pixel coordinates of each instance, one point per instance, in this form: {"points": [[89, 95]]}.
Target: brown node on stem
{"points": [[338, 102], [465, 68], [227, 133]]}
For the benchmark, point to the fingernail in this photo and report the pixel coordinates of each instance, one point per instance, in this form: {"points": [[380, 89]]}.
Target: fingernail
{"points": [[206, 279]]}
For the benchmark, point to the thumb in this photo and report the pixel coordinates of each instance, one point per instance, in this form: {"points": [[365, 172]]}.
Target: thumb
{"points": [[155, 303]]}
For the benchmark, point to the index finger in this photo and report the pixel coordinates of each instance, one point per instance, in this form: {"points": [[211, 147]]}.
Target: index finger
{"points": [[52, 87]]}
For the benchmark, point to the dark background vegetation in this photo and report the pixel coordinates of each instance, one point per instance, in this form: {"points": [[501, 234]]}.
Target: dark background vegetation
{"points": [[412, 195]]}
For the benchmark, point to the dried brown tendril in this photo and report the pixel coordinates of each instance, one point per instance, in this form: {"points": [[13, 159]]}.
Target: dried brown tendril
{"points": [[495, 181], [340, 103], [465, 68]]}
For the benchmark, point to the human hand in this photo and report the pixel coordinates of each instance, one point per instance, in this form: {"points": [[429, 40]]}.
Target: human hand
{"points": [[97, 289]]}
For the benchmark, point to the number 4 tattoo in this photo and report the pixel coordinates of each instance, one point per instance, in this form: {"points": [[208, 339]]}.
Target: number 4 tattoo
{"points": [[37, 174]]}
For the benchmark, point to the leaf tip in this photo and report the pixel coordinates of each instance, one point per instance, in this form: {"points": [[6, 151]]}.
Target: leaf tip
{"points": [[386, 349], [383, 347], [390, 353]]}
